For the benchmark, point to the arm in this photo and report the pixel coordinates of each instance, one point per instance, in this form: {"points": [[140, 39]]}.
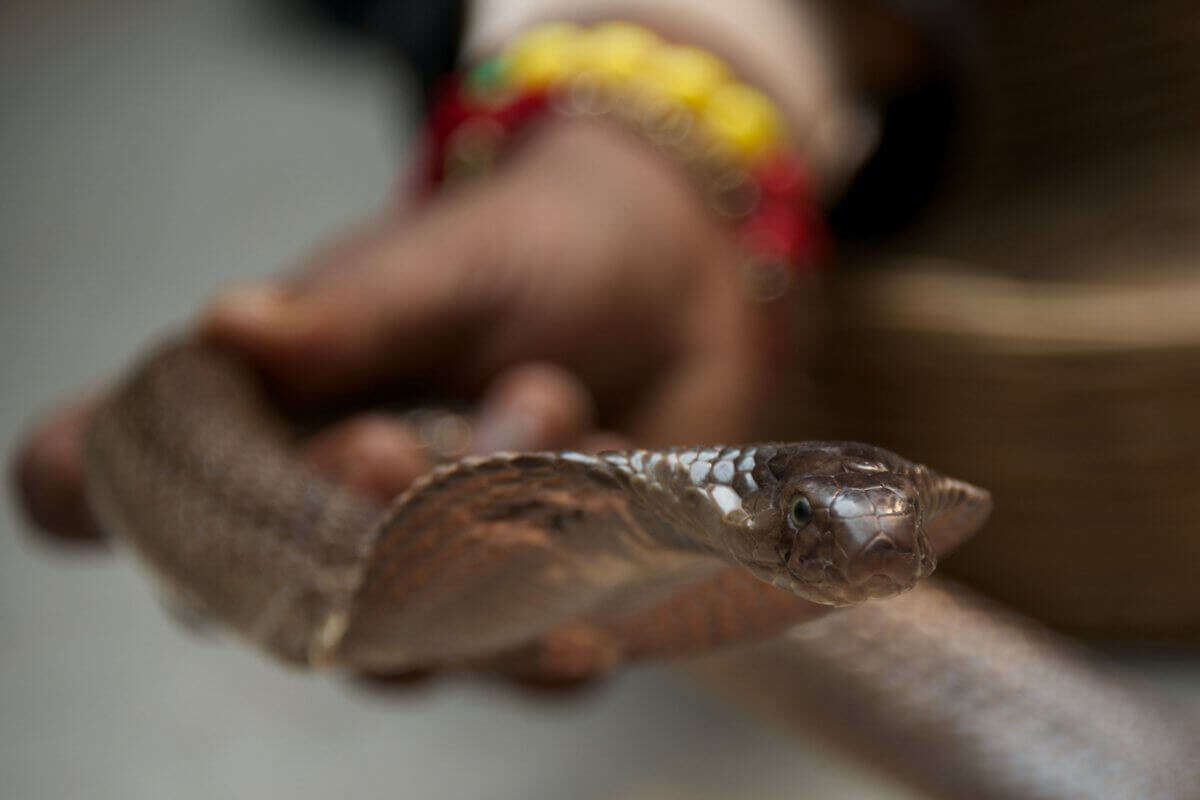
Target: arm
{"points": [[585, 231]]}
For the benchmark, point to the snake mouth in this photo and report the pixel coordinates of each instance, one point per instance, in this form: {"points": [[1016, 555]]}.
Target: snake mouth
{"points": [[835, 590], [883, 558], [824, 581], [890, 573]]}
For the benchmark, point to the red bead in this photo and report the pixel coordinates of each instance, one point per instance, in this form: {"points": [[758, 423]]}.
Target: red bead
{"points": [[790, 233], [773, 227], [780, 176], [448, 109], [521, 110]]}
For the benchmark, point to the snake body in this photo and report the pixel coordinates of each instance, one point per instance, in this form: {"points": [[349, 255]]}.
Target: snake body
{"points": [[556, 565], [966, 699]]}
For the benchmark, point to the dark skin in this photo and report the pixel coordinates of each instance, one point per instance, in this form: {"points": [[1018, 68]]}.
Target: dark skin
{"points": [[582, 294]]}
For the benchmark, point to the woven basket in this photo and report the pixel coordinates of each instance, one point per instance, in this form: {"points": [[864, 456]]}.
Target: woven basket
{"points": [[1078, 405], [1038, 331]]}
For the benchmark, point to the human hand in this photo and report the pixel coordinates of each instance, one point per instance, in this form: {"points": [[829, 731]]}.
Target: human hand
{"points": [[581, 287]]}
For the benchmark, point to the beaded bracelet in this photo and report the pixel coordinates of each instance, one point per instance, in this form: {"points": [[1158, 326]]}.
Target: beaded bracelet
{"points": [[682, 100]]}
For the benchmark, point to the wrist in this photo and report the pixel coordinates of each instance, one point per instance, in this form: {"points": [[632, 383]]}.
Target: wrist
{"points": [[726, 136], [780, 46], [625, 174]]}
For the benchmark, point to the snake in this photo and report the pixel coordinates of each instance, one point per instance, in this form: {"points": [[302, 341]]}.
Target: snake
{"points": [[562, 565]]}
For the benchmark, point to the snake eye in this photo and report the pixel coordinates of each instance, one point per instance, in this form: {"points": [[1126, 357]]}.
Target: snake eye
{"points": [[800, 514]]}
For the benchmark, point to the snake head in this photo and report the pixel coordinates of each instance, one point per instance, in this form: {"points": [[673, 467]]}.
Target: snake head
{"points": [[838, 523]]}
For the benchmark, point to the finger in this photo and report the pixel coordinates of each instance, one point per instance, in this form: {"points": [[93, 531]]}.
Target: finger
{"points": [[529, 407], [375, 455], [532, 406], [396, 299], [48, 474]]}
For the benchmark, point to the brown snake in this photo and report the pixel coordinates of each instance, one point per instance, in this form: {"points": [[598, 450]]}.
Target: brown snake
{"points": [[561, 565]]}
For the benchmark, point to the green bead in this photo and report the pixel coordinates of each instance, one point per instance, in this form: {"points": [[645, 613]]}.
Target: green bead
{"points": [[487, 74]]}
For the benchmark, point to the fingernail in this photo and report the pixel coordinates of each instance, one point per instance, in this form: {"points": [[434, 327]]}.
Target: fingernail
{"points": [[505, 429]]}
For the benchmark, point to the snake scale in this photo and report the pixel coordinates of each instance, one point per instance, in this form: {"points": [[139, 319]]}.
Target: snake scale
{"points": [[562, 565]]}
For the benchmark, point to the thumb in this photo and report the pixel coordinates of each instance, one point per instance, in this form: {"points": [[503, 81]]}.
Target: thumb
{"points": [[396, 299]]}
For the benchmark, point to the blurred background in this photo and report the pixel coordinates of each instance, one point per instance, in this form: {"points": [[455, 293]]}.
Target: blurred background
{"points": [[1035, 328]]}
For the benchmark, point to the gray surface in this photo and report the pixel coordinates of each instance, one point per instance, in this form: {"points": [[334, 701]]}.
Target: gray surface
{"points": [[148, 154]]}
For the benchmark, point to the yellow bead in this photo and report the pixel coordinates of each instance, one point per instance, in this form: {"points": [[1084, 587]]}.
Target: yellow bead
{"points": [[648, 88], [616, 51], [743, 119], [688, 74], [544, 55]]}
